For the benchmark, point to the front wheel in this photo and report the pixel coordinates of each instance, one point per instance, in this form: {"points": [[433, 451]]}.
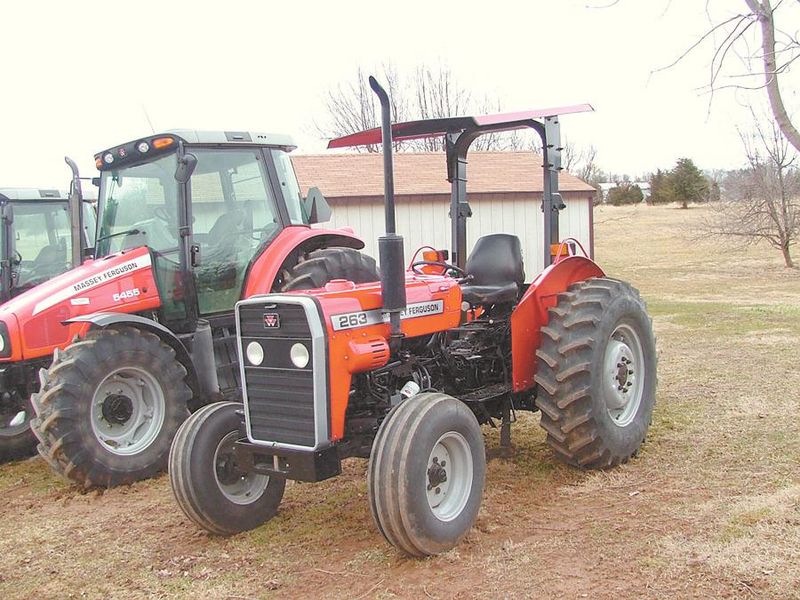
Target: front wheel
{"points": [[109, 406], [597, 373], [426, 474], [206, 480]]}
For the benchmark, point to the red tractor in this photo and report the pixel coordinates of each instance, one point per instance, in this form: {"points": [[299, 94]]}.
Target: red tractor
{"points": [[42, 234], [130, 342], [405, 371]]}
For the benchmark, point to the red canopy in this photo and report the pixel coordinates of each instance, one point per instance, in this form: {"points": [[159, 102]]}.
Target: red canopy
{"points": [[425, 128]]}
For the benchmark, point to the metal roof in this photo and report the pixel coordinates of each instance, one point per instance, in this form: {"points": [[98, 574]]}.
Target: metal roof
{"points": [[425, 128]]}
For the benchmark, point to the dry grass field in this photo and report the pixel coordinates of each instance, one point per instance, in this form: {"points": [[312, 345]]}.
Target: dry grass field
{"points": [[710, 507]]}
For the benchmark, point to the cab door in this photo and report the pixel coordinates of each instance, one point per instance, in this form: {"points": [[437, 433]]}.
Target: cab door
{"points": [[233, 216]]}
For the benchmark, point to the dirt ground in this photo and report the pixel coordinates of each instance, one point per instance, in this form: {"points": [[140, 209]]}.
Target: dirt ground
{"points": [[710, 507]]}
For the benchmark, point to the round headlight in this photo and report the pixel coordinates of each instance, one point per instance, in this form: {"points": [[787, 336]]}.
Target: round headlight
{"points": [[255, 353], [2, 343], [109, 158], [143, 147], [299, 356]]}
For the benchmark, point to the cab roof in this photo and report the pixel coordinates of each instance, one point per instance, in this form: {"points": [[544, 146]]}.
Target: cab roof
{"points": [[31, 194]]}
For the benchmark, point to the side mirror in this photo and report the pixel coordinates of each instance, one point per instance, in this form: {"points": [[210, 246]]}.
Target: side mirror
{"points": [[96, 181], [316, 207], [186, 166]]}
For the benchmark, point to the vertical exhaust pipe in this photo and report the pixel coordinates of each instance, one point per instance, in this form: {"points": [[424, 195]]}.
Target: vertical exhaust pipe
{"points": [[390, 246], [75, 213]]}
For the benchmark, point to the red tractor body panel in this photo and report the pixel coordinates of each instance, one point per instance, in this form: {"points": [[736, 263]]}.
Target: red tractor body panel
{"points": [[530, 315], [125, 283], [121, 282], [265, 267], [357, 333]]}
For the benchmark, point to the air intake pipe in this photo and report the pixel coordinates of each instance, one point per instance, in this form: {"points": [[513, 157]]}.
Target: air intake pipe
{"points": [[390, 246], [75, 204]]}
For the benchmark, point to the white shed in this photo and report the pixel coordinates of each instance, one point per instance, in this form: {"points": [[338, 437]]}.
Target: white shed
{"points": [[504, 190]]}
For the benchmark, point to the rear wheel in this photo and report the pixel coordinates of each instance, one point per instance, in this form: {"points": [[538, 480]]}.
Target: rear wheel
{"points": [[317, 268], [109, 407], [426, 474], [208, 484], [597, 373]]}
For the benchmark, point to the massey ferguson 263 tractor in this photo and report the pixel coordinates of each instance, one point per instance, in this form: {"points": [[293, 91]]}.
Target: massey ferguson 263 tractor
{"points": [[42, 234], [189, 222], [406, 370]]}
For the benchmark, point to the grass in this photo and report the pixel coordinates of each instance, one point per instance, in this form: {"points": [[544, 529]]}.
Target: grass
{"points": [[708, 509]]}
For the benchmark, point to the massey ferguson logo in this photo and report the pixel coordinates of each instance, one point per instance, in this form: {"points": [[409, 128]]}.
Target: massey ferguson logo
{"points": [[272, 320]]}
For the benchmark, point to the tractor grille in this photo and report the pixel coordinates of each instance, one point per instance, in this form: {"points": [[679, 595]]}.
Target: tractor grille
{"points": [[285, 405]]}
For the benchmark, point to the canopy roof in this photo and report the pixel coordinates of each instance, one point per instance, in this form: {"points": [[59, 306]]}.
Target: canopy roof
{"points": [[425, 128]]}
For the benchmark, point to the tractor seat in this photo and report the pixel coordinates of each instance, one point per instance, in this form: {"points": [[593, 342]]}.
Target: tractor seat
{"points": [[496, 270]]}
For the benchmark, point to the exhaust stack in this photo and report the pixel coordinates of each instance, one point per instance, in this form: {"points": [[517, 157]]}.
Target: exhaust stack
{"points": [[75, 212], [390, 246]]}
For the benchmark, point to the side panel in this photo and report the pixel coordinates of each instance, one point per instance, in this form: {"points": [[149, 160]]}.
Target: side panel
{"points": [[264, 269], [433, 305], [120, 283], [530, 314]]}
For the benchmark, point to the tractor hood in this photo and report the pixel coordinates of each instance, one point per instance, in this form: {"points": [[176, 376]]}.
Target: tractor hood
{"points": [[35, 320]]}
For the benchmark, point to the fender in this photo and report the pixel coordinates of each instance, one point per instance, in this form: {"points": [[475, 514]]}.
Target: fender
{"points": [[105, 320], [530, 315], [264, 270]]}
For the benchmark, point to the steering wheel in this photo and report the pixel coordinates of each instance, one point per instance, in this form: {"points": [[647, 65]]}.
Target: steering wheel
{"points": [[161, 213], [462, 274]]}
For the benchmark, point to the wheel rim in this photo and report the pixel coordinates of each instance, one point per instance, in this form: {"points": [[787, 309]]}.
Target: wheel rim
{"points": [[623, 375], [127, 410], [449, 476], [238, 487], [15, 415]]}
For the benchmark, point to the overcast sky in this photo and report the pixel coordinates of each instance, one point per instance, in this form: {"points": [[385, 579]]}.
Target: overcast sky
{"points": [[78, 76]]}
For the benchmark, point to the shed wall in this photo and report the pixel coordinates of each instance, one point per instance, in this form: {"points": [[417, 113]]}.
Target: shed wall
{"points": [[423, 220]]}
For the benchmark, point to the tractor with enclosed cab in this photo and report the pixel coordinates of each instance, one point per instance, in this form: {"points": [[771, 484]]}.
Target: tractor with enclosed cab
{"points": [[134, 339], [406, 370], [43, 233]]}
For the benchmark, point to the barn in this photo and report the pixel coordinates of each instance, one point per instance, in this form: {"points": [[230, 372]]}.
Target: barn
{"points": [[504, 190]]}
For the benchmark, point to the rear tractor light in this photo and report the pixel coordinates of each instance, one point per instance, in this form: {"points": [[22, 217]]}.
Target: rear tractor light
{"points": [[143, 147], [108, 158]]}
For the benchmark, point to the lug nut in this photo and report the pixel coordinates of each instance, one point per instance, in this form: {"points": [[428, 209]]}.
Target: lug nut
{"points": [[444, 463], [438, 490]]}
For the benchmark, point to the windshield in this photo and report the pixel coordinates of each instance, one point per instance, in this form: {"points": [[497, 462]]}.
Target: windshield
{"points": [[138, 206], [290, 187], [40, 242]]}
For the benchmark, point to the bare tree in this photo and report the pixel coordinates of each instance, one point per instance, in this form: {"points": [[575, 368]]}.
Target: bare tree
{"points": [[428, 94], [777, 50], [581, 162], [762, 201]]}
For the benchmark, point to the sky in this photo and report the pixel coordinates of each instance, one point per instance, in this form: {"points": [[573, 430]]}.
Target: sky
{"points": [[79, 77]]}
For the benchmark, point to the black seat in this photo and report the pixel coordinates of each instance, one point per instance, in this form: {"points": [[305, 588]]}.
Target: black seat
{"points": [[496, 270]]}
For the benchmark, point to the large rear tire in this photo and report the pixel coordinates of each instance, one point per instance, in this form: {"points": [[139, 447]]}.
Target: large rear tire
{"points": [[208, 486], [596, 372], [426, 474], [317, 268], [109, 406]]}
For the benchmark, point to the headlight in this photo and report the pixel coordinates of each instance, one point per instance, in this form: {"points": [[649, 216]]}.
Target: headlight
{"points": [[299, 355], [255, 353], [2, 344]]}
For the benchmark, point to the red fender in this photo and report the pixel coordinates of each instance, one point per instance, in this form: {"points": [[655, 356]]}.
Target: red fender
{"points": [[264, 270], [530, 315]]}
